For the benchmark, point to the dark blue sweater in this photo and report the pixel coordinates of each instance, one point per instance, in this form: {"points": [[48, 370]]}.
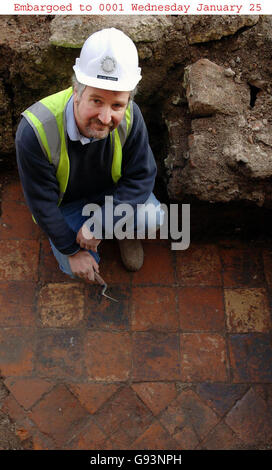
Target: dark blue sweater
{"points": [[90, 177]]}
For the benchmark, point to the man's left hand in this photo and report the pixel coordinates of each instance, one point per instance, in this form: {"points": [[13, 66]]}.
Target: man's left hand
{"points": [[86, 239]]}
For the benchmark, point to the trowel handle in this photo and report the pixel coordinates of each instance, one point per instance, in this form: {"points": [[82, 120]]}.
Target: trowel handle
{"points": [[99, 279]]}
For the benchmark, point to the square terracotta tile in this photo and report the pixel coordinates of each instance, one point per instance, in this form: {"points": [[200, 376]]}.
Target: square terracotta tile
{"points": [[247, 310], [251, 357], [199, 265], [105, 313], [124, 418], [188, 419], [242, 267], [61, 305], [19, 260], [59, 353], [203, 357], [153, 308], [107, 355], [155, 356], [201, 308], [17, 306], [59, 415], [251, 420], [158, 267], [17, 223], [16, 351]]}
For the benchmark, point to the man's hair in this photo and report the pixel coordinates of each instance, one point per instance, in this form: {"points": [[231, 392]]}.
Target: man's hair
{"points": [[80, 87], [77, 86]]}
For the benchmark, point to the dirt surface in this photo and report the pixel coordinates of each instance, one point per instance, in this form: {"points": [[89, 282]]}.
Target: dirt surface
{"points": [[9, 439]]}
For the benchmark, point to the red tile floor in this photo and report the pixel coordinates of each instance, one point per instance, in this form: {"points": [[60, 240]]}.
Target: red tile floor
{"points": [[182, 361]]}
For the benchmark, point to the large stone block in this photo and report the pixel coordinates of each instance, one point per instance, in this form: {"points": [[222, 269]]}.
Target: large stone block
{"points": [[225, 162], [201, 29], [72, 32], [211, 89]]}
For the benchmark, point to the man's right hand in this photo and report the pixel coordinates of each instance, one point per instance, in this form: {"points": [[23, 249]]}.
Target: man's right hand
{"points": [[83, 265]]}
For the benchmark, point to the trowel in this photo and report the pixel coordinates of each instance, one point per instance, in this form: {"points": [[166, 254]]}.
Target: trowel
{"points": [[104, 285]]}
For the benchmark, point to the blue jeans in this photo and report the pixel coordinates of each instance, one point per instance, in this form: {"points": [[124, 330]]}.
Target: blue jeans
{"points": [[72, 213]]}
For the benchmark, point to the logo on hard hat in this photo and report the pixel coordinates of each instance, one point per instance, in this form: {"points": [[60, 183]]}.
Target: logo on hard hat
{"points": [[108, 64]]}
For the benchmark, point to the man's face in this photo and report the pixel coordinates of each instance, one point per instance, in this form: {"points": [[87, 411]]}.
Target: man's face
{"points": [[98, 112]]}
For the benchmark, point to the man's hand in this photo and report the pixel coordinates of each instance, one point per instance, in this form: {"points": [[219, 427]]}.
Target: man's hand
{"points": [[83, 265], [86, 240]]}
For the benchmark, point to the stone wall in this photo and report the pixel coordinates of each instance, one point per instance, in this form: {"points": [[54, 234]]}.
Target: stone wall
{"points": [[205, 93]]}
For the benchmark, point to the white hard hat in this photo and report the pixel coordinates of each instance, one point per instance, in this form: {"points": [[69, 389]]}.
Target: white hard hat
{"points": [[108, 60]]}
